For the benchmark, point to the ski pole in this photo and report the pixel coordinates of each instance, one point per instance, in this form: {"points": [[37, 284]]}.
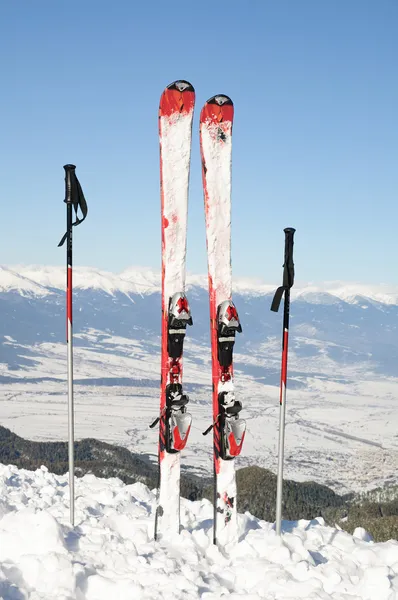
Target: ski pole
{"points": [[284, 289], [74, 199]]}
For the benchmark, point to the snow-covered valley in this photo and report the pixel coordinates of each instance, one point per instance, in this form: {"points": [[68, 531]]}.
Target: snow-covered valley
{"points": [[343, 373]]}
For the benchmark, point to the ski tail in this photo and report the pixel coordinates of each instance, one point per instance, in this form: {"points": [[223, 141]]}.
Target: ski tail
{"points": [[175, 136], [216, 121]]}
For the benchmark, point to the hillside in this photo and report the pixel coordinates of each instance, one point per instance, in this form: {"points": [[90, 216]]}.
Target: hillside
{"points": [[256, 486]]}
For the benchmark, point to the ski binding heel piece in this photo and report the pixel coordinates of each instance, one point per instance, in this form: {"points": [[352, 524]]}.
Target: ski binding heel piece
{"points": [[232, 428], [227, 325], [178, 420], [179, 425], [179, 318]]}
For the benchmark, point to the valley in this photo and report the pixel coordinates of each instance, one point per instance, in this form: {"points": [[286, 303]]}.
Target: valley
{"points": [[342, 389]]}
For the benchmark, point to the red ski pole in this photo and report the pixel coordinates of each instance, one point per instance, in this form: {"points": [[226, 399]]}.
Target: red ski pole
{"points": [[284, 290], [74, 199]]}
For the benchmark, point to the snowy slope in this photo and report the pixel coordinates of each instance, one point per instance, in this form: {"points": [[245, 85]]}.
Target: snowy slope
{"points": [[111, 555]]}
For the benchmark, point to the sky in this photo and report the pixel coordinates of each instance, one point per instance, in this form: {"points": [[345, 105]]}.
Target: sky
{"points": [[315, 140]]}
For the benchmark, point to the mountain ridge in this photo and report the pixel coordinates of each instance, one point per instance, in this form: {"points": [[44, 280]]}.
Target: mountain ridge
{"points": [[43, 280]]}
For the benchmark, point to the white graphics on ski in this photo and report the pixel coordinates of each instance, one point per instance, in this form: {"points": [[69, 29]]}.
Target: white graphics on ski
{"points": [[216, 148], [175, 134], [218, 208]]}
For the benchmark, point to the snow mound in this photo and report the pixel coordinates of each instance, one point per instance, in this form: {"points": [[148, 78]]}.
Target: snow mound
{"points": [[111, 555]]}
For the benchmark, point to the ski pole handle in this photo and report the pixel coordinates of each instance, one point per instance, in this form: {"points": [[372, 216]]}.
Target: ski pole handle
{"points": [[289, 235], [287, 230], [70, 176], [288, 267]]}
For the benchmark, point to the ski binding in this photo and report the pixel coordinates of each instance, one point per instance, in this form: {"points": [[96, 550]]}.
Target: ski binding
{"points": [[179, 318], [227, 325], [232, 428], [178, 420]]}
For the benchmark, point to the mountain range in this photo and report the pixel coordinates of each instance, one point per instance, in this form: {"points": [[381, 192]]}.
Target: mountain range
{"points": [[346, 323]]}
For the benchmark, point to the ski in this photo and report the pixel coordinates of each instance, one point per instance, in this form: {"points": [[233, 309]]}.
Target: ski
{"points": [[216, 121], [175, 134]]}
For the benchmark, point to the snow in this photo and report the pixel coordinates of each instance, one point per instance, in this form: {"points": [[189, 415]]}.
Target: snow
{"points": [[42, 280], [111, 554]]}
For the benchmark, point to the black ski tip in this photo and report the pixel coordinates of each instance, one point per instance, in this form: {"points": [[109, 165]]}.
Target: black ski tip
{"points": [[181, 85], [69, 167], [220, 100], [289, 230]]}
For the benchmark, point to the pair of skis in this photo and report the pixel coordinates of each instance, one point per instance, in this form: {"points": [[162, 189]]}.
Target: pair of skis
{"points": [[175, 132]]}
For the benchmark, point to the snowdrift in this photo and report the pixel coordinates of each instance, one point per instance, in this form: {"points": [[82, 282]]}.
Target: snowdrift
{"points": [[111, 555]]}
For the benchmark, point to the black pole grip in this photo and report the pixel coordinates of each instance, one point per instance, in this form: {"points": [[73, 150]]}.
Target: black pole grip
{"points": [[70, 177], [288, 267], [74, 199], [287, 230]]}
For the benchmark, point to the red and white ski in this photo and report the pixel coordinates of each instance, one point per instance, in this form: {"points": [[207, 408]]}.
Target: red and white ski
{"points": [[216, 121], [175, 133]]}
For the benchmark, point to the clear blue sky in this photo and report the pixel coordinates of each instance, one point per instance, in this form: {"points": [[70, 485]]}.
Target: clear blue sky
{"points": [[315, 87]]}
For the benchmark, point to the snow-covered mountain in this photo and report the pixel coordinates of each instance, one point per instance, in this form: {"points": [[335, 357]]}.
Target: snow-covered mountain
{"points": [[343, 368], [143, 280], [345, 324]]}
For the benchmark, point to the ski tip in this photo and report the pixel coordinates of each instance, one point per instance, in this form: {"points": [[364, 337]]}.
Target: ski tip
{"points": [[181, 85], [177, 98], [220, 100], [218, 109]]}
